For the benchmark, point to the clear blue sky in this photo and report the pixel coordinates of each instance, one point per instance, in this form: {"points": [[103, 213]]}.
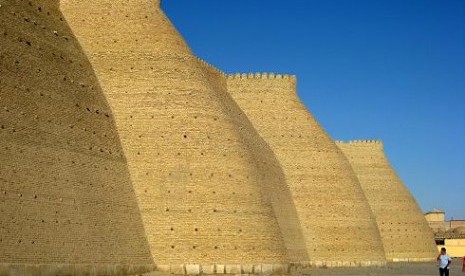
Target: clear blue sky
{"points": [[387, 69]]}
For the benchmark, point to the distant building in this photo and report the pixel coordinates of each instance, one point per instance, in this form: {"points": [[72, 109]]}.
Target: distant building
{"points": [[449, 234]]}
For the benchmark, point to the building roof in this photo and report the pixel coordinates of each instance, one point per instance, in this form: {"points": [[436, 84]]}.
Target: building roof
{"points": [[455, 233], [435, 211]]}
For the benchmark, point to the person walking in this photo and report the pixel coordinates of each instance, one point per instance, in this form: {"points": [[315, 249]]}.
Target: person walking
{"points": [[444, 262]]}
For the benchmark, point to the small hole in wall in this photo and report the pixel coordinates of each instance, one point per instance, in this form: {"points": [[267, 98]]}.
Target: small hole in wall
{"points": [[216, 247], [172, 246], [172, 229]]}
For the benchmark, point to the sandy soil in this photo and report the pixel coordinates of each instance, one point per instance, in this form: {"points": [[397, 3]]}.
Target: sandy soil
{"points": [[398, 269]]}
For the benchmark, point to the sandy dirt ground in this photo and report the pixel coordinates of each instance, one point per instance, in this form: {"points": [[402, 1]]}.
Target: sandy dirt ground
{"points": [[400, 269], [397, 269]]}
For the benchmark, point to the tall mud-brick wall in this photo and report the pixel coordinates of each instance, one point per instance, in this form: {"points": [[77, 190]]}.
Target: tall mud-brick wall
{"points": [[275, 185], [67, 206], [200, 186], [337, 223], [405, 233]]}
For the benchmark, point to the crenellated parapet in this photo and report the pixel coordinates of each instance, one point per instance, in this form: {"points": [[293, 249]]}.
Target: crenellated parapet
{"points": [[263, 76], [359, 142], [263, 84], [209, 66]]}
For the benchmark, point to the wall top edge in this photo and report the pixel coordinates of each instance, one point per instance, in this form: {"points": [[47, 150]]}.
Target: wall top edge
{"points": [[359, 142], [261, 76]]}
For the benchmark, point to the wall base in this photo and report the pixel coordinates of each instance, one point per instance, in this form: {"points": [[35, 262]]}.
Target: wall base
{"points": [[7, 269]]}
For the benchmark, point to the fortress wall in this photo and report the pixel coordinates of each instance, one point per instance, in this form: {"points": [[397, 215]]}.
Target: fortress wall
{"points": [[66, 200], [338, 225], [272, 177], [198, 184], [405, 233]]}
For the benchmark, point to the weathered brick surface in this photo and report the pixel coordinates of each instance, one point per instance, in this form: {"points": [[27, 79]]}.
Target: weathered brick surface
{"points": [[213, 174], [276, 188], [65, 190], [335, 216], [404, 231], [200, 170]]}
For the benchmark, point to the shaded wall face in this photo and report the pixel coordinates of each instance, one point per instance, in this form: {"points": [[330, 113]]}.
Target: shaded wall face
{"points": [[404, 230], [65, 191], [197, 181], [335, 216]]}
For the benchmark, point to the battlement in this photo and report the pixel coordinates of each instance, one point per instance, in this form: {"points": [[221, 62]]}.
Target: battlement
{"points": [[209, 66], [239, 76], [359, 142], [263, 76]]}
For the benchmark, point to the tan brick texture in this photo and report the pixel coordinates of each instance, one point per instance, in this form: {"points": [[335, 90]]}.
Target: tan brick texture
{"points": [[66, 198], [404, 231], [199, 169], [336, 219]]}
